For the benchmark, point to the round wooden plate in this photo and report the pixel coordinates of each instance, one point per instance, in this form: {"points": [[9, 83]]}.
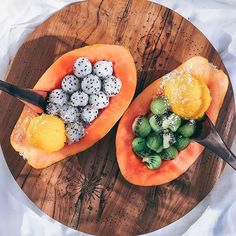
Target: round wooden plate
{"points": [[87, 191]]}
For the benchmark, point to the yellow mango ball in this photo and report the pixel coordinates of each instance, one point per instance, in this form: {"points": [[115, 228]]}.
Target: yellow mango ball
{"points": [[46, 132], [206, 100], [184, 94]]}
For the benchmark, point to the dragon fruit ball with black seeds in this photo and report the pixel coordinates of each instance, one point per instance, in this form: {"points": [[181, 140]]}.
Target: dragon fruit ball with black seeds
{"points": [[99, 100], [91, 84], [53, 109], [58, 96], [111, 86], [82, 67], [74, 132], [69, 113], [103, 68], [70, 84], [89, 114], [79, 99]]}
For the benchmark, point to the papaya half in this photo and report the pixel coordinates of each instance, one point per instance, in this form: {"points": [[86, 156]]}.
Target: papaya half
{"points": [[130, 166], [124, 68]]}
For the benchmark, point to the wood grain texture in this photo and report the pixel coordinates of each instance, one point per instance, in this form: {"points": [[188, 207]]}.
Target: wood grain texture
{"points": [[87, 192]]}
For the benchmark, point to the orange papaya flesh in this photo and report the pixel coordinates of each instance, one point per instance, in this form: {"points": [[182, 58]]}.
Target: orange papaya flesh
{"points": [[124, 68], [130, 166]]}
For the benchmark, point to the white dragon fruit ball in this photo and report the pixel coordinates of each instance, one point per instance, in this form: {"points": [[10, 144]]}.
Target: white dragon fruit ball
{"points": [[91, 84], [111, 86], [58, 96], [74, 132], [82, 67], [79, 98], [69, 113], [99, 100], [70, 84], [89, 114], [53, 109], [103, 68]]}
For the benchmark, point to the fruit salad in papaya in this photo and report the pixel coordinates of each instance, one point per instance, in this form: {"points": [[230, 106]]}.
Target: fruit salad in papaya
{"points": [[153, 141], [90, 88]]}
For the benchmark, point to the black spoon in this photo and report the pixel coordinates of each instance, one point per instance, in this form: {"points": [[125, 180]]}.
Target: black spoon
{"points": [[208, 137], [35, 99]]}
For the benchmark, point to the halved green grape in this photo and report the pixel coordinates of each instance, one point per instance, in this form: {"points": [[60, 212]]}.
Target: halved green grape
{"points": [[168, 139], [141, 126], [181, 143], [159, 106], [174, 122], [154, 141], [139, 144], [188, 129], [152, 162], [155, 123], [169, 153]]}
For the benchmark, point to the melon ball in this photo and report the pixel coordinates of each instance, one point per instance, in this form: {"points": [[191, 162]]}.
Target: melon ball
{"points": [[46, 132], [187, 95]]}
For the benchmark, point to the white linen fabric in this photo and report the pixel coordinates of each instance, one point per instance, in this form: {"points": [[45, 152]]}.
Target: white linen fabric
{"points": [[215, 215]]}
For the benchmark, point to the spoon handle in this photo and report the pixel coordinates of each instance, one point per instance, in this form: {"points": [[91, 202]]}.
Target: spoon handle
{"points": [[214, 142], [27, 96]]}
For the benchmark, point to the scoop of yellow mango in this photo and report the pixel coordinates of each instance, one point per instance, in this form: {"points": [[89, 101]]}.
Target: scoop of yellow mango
{"points": [[188, 96], [46, 132]]}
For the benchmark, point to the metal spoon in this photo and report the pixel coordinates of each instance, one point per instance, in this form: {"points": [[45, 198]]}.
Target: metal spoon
{"points": [[208, 136], [35, 99]]}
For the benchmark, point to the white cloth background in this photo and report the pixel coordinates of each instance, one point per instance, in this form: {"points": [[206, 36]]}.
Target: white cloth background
{"points": [[215, 215]]}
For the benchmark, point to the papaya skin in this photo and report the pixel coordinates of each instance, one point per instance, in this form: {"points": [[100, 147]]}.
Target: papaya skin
{"points": [[130, 166], [124, 68]]}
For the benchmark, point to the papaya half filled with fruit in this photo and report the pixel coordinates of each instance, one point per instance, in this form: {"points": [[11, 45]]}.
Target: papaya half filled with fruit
{"points": [[91, 87], [153, 142]]}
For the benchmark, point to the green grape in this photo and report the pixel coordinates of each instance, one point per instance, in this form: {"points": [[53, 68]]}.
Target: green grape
{"points": [[159, 106], [155, 123], [188, 129], [152, 162], [168, 139], [139, 144], [154, 141], [141, 126], [169, 153], [174, 122], [181, 143]]}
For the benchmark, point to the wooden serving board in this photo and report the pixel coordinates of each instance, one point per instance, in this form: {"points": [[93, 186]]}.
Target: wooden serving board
{"points": [[87, 191]]}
